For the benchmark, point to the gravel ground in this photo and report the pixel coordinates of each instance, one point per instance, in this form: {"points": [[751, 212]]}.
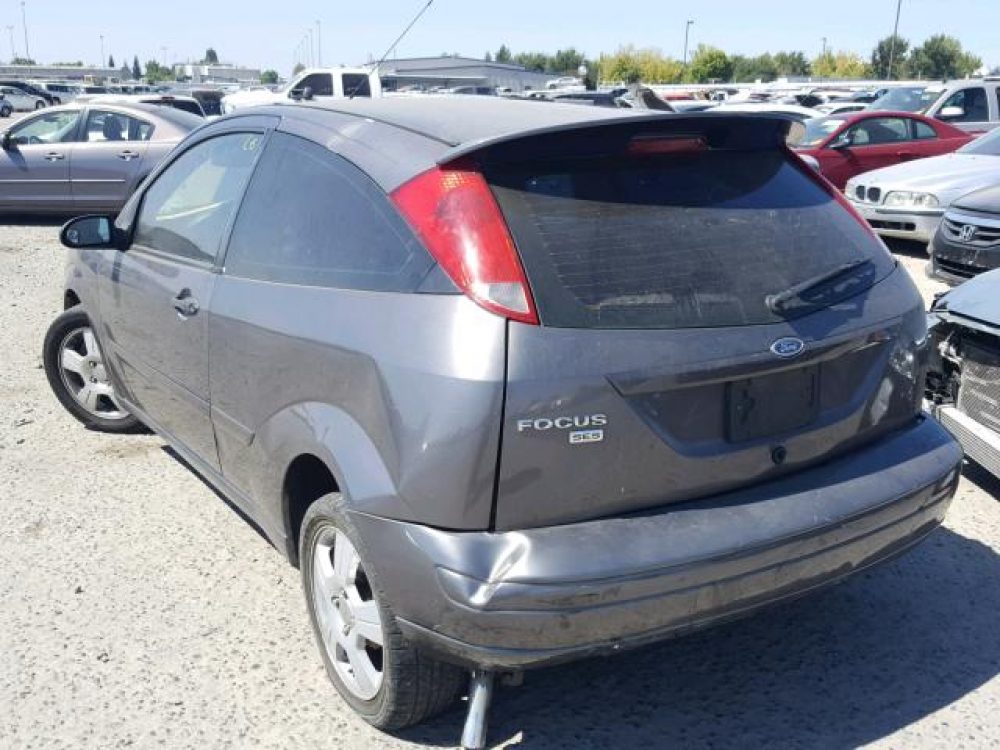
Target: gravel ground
{"points": [[137, 609]]}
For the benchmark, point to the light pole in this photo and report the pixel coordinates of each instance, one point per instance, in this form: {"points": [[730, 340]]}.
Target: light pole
{"points": [[892, 42], [10, 33], [319, 45], [312, 60], [687, 28], [24, 23]]}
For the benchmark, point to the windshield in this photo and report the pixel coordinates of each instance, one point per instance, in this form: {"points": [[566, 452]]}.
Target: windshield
{"points": [[818, 130], [907, 99], [984, 145]]}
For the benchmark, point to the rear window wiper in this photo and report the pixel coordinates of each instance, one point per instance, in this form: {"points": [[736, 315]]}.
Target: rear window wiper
{"points": [[779, 301]]}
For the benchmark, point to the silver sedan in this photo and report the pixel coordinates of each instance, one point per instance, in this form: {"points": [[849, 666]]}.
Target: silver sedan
{"points": [[85, 158]]}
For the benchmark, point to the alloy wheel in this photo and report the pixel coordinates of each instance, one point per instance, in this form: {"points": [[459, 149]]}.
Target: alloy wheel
{"points": [[81, 367]]}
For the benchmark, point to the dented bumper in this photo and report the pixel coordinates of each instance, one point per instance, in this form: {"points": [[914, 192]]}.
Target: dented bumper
{"points": [[525, 598]]}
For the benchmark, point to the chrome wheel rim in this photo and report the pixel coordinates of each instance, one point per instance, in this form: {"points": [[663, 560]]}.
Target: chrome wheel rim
{"points": [[347, 614], [82, 370]]}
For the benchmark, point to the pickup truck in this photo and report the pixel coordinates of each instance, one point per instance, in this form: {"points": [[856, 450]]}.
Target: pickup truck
{"points": [[310, 84], [971, 104]]}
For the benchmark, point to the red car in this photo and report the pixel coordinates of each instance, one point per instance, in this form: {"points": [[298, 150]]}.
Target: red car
{"points": [[849, 144]]}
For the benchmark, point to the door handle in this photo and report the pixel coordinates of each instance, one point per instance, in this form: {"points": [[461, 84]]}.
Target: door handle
{"points": [[128, 155], [185, 304], [54, 156]]}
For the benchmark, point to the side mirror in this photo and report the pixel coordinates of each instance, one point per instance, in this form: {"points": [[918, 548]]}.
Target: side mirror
{"points": [[843, 142], [295, 94], [812, 161], [88, 231], [307, 93], [951, 113]]}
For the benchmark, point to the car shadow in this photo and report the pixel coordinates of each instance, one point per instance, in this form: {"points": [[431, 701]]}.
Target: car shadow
{"points": [[907, 247], [982, 478], [838, 669]]}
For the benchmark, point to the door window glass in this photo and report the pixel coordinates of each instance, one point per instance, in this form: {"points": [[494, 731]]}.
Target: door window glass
{"points": [[880, 130], [972, 102], [51, 127], [113, 126], [356, 84], [320, 83], [311, 218], [187, 209], [923, 131]]}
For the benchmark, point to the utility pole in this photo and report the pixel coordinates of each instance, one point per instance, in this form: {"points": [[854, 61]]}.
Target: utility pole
{"points": [[24, 23], [892, 43], [687, 28], [319, 45], [10, 33]]}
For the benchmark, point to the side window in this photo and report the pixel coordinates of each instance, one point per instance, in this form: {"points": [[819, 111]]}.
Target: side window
{"points": [[187, 209], [971, 101], [320, 83], [880, 130], [923, 131], [112, 126], [52, 127], [312, 218], [356, 84]]}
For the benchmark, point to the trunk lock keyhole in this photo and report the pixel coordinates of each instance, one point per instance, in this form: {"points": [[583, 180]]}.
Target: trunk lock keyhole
{"points": [[778, 455]]}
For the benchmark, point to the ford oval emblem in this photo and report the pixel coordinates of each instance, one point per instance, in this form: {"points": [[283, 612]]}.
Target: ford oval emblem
{"points": [[788, 347]]}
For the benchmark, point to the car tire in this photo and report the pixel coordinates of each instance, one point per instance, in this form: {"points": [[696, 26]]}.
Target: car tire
{"points": [[413, 685], [75, 369], [56, 101], [39, 105]]}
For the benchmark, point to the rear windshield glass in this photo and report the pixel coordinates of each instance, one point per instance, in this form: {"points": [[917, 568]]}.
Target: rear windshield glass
{"points": [[679, 242]]}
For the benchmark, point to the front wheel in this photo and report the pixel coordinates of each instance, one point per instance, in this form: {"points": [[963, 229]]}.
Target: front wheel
{"points": [[39, 105], [389, 683], [75, 368]]}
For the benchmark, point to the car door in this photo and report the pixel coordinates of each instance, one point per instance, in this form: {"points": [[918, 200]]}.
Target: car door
{"points": [[108, 159], [321, 85], [870, 144], [155, 300], [35, 162]]}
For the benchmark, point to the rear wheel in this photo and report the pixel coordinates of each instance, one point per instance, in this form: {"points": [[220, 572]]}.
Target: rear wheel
{"points": [[74, 366], [39, 105], [390, 684]]}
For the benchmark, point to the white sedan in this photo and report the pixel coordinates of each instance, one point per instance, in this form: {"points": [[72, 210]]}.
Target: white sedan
{"points": [[907, 200], [20, 100]]}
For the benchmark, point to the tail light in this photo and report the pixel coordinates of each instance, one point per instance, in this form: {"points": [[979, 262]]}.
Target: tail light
{"points": [[454, 212], [652, 145]]}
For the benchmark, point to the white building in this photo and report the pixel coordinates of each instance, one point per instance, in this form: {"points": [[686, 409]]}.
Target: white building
{"points": [[217, 73]]}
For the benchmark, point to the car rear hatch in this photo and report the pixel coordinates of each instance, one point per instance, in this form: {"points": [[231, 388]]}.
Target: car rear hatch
{"points": [[701, 316]]}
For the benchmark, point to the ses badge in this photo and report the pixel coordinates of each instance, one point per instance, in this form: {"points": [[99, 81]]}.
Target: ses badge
{"points": [[582, 428]]}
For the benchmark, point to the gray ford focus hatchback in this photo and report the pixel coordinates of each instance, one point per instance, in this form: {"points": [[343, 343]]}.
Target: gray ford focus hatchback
{"points": [[512, 383]]}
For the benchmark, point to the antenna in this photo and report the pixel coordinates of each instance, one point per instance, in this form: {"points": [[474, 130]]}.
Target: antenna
{"points": [[393, 45]]}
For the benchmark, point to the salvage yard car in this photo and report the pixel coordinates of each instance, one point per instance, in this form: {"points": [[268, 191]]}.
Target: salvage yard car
{"points": [[79, 158], [512, 384], [907, 200], [847, 145], [967, 243], [963, 384]]}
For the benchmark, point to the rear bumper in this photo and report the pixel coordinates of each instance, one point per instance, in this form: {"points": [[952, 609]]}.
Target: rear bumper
{"points": [[522, 599]]}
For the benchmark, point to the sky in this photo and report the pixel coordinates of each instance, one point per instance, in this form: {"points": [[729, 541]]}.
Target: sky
{"points": [[277, 35]]}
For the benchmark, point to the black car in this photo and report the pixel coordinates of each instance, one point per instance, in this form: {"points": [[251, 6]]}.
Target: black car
{"points": [[33, 90], [967, 241]]}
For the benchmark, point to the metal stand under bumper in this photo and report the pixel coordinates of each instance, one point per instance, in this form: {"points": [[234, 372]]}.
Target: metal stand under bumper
{"points": [[480, 695]]}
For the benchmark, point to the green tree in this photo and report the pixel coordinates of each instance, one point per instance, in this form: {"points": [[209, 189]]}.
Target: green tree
{"points": [[111, 61], [895, 47], [942, 56], [299, 67], [537, 61], [791, 64], [503, 54], [211, 58], [488, 57], [23, 61], [631, 65], [136, 70], [840, 65], [567, 61], [155, 73], [269, 77], [709, 64], [747, 69]]}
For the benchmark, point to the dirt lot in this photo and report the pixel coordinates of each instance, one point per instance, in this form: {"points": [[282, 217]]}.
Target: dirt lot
{"points": [[137, 609]]}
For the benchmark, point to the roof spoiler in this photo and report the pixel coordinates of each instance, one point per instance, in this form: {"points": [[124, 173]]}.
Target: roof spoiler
{"points": [[606, 136]]}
